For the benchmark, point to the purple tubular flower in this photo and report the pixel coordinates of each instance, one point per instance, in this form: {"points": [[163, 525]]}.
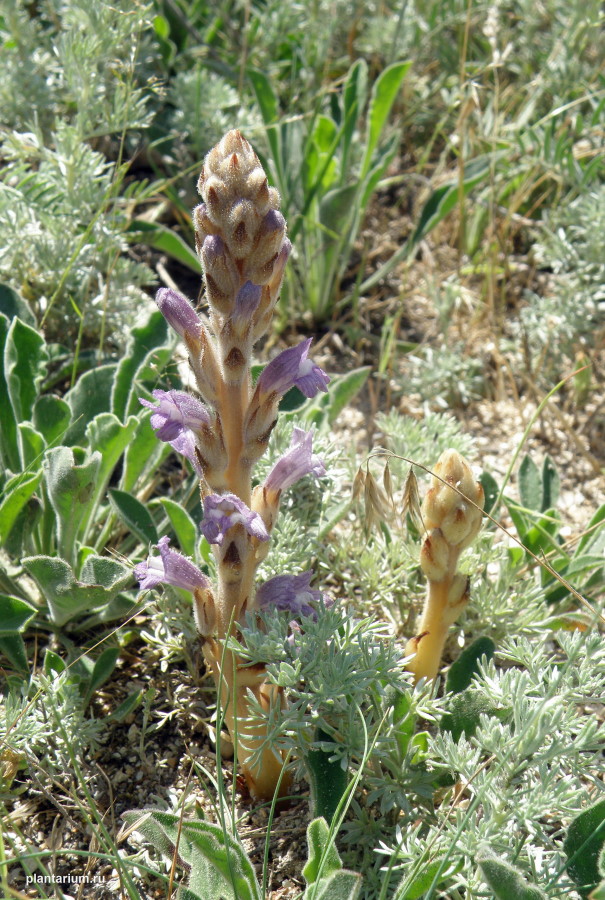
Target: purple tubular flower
{"points": [[291, 367], [296, 463], [290, 592], [223, 511], [178, 312], [175, 419], [169, 567], [176, 411]]}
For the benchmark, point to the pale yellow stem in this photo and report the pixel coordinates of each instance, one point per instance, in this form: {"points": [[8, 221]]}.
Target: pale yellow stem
{"points": [[432, 632]]}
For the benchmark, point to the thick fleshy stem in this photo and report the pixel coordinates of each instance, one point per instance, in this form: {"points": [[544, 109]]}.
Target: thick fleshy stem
{"points": [[451, 512]]}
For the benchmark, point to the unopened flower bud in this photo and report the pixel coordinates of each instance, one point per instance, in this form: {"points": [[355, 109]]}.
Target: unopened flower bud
{"points": [[203, 225], [246, 303], [220, 273], [435, 556], [243, 222], [178, 312], [269, 239], [445, 507]]}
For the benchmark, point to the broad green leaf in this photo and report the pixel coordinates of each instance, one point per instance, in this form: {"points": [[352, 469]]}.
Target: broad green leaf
{"points": [[219, 866], [152, 334], [595, 531], [267, 103], [103, 669], [13, 647], [463, 670], [320, 163], [14, 501], [354, 100], [14, 615], [90, 396], [126, 706], [583, 844], [490, 490], [70, 489], [25, 358], [220, 862], [327, 780], [101, 581], [119, 608], [506, 882], [404, 721], [134, 515], [323, 858], [51, 417], [292, 399], [265, 95], [110, 438], [384, 92], [530, 484], [166, 241], [383, 161], [520, 520], [13, 306], [341, 885], [182, 524], [542, 536], [335, 211], [32, 446], [551, 483], [8, 432], [53, 663], [423, 881]]}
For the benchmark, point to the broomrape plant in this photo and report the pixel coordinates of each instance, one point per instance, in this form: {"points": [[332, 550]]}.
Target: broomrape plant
{"points": [[241, 240]]}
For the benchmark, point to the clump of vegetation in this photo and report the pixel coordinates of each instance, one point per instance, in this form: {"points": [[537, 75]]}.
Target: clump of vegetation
{"points": [[440, 170]]}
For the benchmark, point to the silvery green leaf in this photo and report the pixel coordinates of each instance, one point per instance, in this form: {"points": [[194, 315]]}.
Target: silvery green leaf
{"points": [[71, 488], [101, 580]]}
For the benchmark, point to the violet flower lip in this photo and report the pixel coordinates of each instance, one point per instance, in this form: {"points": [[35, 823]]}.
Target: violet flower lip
{"points": [[175, 420], [292, 368], [290, 592], [224, 511], [175, 412]]}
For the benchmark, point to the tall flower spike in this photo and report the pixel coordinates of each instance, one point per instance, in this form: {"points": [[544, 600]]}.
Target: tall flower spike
{"points": [[240, 237]]}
